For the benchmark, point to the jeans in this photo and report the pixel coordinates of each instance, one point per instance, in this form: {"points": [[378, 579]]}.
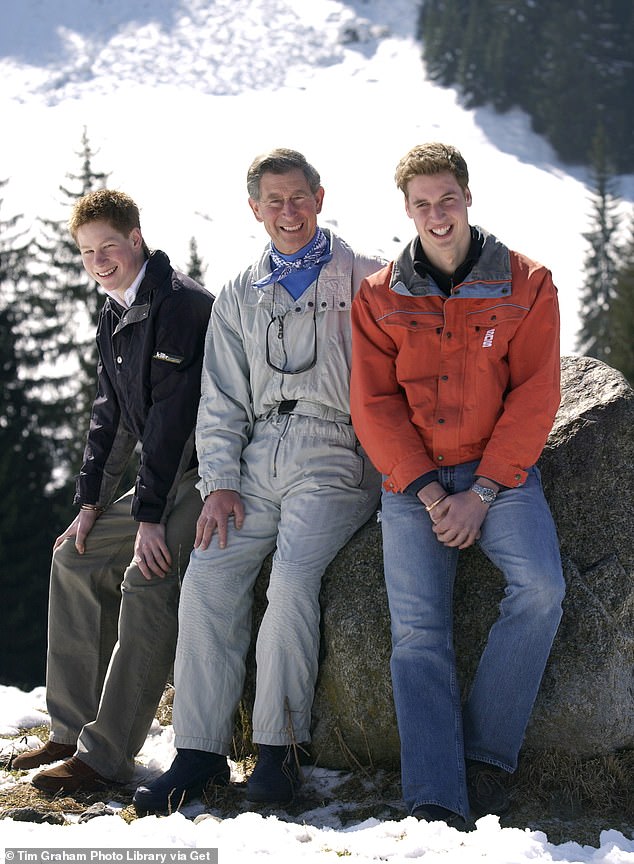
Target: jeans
{"points": [[437, 733]]}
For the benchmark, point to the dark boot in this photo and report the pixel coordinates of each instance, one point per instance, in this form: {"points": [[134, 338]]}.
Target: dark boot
{"points": [[187, 777], [435, 813], [276, 776], [44, 755], [487, 788]]}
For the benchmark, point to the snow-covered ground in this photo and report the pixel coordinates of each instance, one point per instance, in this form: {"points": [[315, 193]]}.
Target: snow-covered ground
{"points": [[177, 97], [317, 835]]}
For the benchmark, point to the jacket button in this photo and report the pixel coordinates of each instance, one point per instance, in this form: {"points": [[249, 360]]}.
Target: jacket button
{"points": [[323, 304], [342, 304], [440, 458], [119, 359], [444, 377], [441, 420]]}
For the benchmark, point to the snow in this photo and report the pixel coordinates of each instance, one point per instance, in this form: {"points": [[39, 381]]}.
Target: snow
{"points": [[317, 835], [177, 97]]}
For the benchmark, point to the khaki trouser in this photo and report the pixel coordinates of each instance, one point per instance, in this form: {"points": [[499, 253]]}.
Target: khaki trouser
{"points": [[112, 634]]}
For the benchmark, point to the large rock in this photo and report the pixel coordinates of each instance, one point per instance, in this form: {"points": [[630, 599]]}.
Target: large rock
{"points": [[586, 702]]}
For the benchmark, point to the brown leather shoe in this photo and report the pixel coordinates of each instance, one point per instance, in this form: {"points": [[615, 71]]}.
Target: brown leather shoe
{"points": [[52, 751], [71, 776]]}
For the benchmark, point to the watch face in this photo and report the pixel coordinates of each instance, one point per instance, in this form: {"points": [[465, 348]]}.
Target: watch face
{"points": [[485, 494]]}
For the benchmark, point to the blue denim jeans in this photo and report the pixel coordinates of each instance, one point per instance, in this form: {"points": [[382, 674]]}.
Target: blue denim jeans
{"points": [[437, 732]]}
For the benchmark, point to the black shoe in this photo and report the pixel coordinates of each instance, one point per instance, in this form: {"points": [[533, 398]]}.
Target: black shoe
{"points": [[486, 785], [276, 776], [188, 775], [435, 813]]}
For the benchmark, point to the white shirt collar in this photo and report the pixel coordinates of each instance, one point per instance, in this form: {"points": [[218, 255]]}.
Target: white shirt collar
{"points": [[130, 293]]}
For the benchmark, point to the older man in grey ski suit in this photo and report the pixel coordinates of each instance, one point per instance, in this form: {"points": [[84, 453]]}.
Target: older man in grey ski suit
{"points": [[281, 468]]}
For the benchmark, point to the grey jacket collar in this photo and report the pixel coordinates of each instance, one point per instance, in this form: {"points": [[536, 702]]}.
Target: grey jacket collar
{"points": [[491, 273]]}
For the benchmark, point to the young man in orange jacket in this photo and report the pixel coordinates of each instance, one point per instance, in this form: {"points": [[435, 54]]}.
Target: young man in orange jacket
{"points": [[455, 386]]}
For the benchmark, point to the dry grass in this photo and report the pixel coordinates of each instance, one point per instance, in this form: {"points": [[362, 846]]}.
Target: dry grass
{"points": [[602, 784], [571, 797], [567, 797]]}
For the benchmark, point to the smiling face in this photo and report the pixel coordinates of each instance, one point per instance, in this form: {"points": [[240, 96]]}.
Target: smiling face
{"points": [[288, 209], [438, 205], [109, 257]]}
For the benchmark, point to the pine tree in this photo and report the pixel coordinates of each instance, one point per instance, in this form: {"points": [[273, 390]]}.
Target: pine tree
{"points": [[596, 336], [60, 333], [475, 86], [442, 49], [195, 268], [26, 532], [568, 65], [622, 354], [14, 251]]}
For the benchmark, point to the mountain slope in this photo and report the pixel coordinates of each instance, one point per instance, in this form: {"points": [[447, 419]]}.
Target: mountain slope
{"points": [[179, 96]]}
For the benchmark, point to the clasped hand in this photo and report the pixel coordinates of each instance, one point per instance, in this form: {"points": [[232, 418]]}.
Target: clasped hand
{"points": [[458, 519]]}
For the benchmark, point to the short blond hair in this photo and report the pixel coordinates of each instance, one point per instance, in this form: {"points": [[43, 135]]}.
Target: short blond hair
{"points": [[431, 158]]}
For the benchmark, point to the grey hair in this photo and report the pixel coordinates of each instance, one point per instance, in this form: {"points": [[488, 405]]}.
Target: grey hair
{"points": [[280, 161]]}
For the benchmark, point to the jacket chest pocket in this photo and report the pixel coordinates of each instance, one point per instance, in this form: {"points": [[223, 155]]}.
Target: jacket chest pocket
{"points": [[405, 326], [163, 357], [490, 330], [163, 365]]}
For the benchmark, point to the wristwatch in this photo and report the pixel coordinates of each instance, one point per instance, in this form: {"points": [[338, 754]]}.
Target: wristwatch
{"points": [[486, 495]]}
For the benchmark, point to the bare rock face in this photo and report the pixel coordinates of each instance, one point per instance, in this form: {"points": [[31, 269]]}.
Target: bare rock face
{"points": [[586, 702]]}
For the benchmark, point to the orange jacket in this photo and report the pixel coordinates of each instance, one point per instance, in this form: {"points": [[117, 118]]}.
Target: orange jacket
{"points": [[442, 380]]}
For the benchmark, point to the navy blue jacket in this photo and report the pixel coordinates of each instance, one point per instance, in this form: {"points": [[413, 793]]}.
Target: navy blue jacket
{"points": [[148, 390]]}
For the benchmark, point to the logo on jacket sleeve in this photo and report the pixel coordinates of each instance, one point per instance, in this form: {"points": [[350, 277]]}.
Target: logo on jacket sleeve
{"points": [[487, 342]]}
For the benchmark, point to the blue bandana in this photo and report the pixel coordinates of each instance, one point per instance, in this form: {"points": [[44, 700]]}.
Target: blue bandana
{"points": [[318, 252]]}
